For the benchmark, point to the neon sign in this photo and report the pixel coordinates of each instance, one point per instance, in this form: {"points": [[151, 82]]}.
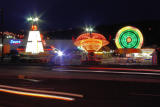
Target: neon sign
{"points": [[15, 42]]}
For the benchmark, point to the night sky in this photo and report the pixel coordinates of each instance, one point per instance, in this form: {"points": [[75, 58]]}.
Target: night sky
{"points": [[63, 14]]}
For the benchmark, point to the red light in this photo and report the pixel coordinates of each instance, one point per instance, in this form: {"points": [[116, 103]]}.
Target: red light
{"points": [[48, 49], [34, 27], [20, 49]]}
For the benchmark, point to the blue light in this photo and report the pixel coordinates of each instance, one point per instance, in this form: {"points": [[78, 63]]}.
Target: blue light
{"points": [[60, 53], [15, 41]]}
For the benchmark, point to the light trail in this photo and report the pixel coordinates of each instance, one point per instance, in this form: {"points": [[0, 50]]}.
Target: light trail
{"points": [[125, 69], [111, 72], [37, 95], [120, 69], [42, 91]]}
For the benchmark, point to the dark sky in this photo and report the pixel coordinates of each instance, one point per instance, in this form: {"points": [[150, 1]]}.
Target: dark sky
{"points": [[60, 14]]}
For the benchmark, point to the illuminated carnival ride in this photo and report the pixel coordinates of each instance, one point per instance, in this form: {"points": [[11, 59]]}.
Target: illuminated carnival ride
{"points": [[34, 43], [90, 43], [36, 49], [129, 40]]}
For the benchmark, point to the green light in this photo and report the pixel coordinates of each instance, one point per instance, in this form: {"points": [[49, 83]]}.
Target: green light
{"points": [[80, 48], [129, 39]]}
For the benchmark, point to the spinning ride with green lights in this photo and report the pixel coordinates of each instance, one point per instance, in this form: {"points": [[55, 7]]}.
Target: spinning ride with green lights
{"points": [[129, 37]]}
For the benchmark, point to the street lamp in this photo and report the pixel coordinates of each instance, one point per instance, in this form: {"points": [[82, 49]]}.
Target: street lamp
{"points": [[33, 21], [36, 19], [89, 30], [29, 19], [2, 32], [60, 53]]}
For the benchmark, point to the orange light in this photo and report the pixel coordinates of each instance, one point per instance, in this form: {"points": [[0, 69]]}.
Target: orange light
{"points": [[48, 49], [34, 27], [129, 39], [91, 42], [19, 49], [36, 95]]}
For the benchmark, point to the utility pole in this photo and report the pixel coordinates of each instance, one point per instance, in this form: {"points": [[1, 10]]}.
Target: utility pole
{"points": [[1, 30]]}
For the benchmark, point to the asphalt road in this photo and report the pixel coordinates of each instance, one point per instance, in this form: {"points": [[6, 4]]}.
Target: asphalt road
{"points": [[72, 72], [97, 86]]}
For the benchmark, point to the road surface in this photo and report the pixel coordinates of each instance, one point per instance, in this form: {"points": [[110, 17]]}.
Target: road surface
{"points": [[84, 86]]}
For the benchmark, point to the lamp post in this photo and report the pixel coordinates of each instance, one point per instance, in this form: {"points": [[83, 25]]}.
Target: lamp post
{"points": [[91, 55], [33, 19], [1, 28], [34, 43]]}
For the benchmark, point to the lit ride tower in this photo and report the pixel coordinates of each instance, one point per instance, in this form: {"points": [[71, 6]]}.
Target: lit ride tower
{"points": [[34, 43]]}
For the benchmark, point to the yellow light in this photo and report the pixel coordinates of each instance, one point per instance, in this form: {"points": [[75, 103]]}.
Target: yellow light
{"points": [[129, 39], [91, 44], [36, 94], [99, 53]]}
